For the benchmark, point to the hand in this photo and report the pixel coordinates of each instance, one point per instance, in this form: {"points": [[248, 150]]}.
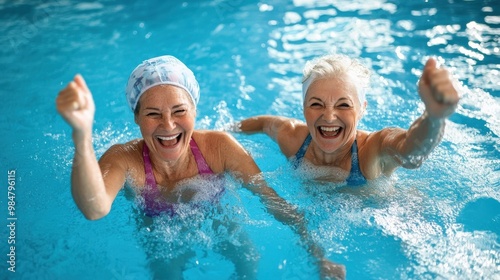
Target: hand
{"points": [[437, 91], [76, 105], [330, 270]]}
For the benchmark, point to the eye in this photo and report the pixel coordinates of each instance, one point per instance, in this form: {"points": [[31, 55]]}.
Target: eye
{"points": [[180, 112], [345, 105], [316, 105], [152, 114]]}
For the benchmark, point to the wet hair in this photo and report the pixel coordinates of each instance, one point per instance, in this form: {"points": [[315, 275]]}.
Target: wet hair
{"points": [[335, 65]]}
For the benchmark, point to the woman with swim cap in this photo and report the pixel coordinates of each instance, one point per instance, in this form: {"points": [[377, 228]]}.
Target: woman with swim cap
{"points": [[333, 91], [163, 94]]}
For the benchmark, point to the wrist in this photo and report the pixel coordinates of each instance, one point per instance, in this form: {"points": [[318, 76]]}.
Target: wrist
{"points": [[434, 121], [82, 139]]}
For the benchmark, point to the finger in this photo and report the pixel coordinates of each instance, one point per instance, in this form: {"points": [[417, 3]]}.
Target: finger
{"points": [[443, 86], [81, 83], [66, 100], [430, 64], [72, 97], [429, 68], [81, 99], [450, 95]]}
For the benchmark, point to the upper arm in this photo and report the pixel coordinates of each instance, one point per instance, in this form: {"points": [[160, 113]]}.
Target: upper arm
{"points": [[114, 165], [382, 151], [290, 136]]}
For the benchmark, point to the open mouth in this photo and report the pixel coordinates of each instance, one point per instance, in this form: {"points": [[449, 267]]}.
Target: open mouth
{"points": [[169, 141], [329, 131]]}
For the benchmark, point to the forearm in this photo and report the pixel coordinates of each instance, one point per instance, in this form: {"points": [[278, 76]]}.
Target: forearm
{"points": [[421, 138], [267, 124], [289, 215], [253, 124], [87, 185]]}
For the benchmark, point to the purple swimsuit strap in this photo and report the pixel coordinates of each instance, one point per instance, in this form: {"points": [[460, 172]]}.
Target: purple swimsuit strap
{"points": [[203, 167], [154, 203], [148, 167]]}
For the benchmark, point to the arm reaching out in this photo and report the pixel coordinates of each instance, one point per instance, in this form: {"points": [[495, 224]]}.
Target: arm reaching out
{"points": [[76, 106], [440, 97], [289, 215], [269, 125], [242, 166]]}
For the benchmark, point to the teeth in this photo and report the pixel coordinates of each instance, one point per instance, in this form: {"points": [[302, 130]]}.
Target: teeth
{"points": [[168, 138], [330, 129]]}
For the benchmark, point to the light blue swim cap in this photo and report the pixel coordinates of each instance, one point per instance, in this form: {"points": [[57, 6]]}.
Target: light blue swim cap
{"points": [[162, 70]]}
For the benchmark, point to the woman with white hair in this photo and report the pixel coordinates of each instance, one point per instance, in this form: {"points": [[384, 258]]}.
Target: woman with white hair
{"points": [[333, 89]]}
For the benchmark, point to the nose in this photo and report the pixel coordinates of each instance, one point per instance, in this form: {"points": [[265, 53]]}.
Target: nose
{"points": [[329, 115], [168, 122]]}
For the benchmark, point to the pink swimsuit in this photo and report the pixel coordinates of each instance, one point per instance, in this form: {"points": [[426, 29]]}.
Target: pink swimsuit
{"points": [[154, 203]]}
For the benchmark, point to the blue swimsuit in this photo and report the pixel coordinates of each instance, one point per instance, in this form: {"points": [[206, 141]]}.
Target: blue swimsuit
{"points": [[355, 178]]}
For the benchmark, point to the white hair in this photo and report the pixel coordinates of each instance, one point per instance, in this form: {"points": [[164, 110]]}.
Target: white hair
{"points": [[335, 65]]}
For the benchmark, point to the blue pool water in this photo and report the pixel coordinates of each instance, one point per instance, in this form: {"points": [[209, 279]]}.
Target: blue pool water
{"points": [[441, 221]]}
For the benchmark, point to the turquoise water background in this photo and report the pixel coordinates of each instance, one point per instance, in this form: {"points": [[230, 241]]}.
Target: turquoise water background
{"points": [[441, 221]]}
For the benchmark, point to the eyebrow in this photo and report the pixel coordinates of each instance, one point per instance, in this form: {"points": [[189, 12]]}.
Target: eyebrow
{"points": [[174, 107], [340, 99]]}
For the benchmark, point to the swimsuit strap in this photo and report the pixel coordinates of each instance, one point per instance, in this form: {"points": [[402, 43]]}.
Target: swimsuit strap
{"points": [[152, 197], [355, 176], [203, 167], [148, 167], [302, 151]]}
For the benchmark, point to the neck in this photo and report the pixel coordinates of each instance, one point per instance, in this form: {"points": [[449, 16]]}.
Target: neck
{"points": [[173, 170], [338, 158]]}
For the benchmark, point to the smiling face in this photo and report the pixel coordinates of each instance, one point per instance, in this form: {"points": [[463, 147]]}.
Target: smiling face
{"points": [[166, 117], [332, 111]]}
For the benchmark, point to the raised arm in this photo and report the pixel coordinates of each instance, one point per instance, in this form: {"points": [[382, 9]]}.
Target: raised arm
{"points": [[76, 106], [410, 148], [243, 167]]}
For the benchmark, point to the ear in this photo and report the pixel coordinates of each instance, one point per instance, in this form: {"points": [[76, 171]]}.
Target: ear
{"points": [[136, 119]]}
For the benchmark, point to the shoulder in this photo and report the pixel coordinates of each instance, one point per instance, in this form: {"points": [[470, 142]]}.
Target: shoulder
{"points": [[291, 136], [129, 148], [290, 125], [220, 143], [384, 138], [219, 148], [123, 154], [212, 138], [123, 162], [376, 149]]}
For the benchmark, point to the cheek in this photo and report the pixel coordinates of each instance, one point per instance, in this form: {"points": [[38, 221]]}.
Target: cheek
{"points": [[311, 115], [187, 122], [146, 125], [351, 118]]}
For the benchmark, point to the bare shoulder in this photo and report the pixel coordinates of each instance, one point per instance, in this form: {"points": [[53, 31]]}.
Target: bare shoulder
{"points": [[210, 138], [376, 149], [125, 155], [218, 147], [130, 148], [291, 135], [378, 141]]}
